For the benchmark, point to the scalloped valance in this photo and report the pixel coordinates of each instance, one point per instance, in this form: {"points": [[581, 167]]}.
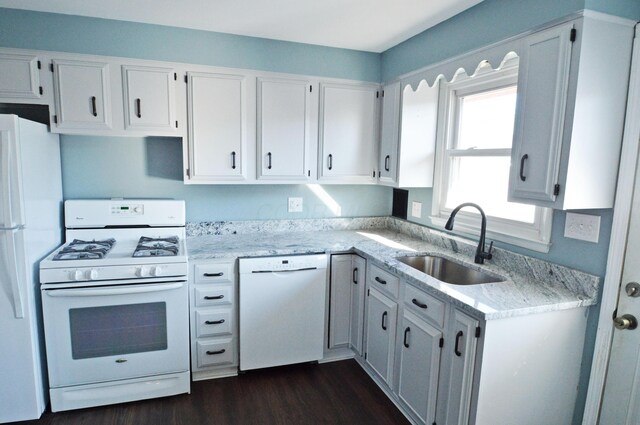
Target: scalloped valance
{"points": [[495, 55]]}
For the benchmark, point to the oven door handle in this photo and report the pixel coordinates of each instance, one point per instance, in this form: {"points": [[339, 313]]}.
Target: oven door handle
{"points": [[96, 292]]}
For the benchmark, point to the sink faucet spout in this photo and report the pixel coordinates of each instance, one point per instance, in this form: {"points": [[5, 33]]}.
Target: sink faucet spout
{"points": [[481, 255]]}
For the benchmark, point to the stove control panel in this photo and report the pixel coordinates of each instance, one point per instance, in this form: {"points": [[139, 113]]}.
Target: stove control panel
{"points": [[111, 273], [127, 209]]}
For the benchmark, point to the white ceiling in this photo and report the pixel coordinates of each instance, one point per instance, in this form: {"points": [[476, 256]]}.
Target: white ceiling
{"points": [[369, 25]]}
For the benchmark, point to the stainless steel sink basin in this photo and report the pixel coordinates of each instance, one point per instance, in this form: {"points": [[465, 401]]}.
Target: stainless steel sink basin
{"points": [[448, 271]]}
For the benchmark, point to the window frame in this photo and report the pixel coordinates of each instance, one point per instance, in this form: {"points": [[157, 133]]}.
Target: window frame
{"points": [[535, 236]]}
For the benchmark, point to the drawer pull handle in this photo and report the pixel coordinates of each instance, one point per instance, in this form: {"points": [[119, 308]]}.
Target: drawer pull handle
{"points": [[456, 348], [330, 162], [522, 160], [386, 163], [355, 275], [214, 322], [216, 297], [380, 281], [213, 274], [384, 317], [418, 303], [138, 108], [406, 334], [269, 159], [233, 160], [94, 108], [213, 353]]}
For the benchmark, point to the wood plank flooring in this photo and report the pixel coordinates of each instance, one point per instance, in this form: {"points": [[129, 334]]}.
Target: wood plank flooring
{"points": [[329, 393]]}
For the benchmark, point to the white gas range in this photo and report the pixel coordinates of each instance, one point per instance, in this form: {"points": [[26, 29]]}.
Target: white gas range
{"points": [[115, 303]]}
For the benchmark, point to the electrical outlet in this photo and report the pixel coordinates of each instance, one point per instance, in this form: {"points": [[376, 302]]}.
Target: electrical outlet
{"points": [[416, 209], [582, 226], [295, 204]]}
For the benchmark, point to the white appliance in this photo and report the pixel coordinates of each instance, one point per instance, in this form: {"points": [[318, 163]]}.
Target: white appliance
{"points": [[30, 211], [282, 309], [116, 304]]}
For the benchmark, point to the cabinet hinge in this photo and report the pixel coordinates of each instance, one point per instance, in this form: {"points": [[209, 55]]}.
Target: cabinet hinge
{"points": [[41, 91], [188, 175], [308, 173], [572, 37], [441, 342], [51, 67], [378, 173], [382, 93], [186, 79], [478, 331], [556, 190], [175, 76], [310, 89], [176, 123], [368, 292], [365, 356], [55, 119], [374, 174], [39, 65], [377, 94]]}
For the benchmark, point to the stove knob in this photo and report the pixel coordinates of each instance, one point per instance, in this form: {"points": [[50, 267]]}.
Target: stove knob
{"points": [[142, 272], [158, 271], [137, 209], [92, 274], [75, 275]]}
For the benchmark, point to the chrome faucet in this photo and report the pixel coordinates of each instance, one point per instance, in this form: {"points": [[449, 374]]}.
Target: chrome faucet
{"points": [[481, 255]]}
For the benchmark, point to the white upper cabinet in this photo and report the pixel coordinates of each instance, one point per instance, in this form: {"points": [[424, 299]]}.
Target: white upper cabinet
{"points": [[389, 134], [20, 76], [149, 98], [217, 106], [82, 93], [284, 129], [566, 146], [348, 130]]}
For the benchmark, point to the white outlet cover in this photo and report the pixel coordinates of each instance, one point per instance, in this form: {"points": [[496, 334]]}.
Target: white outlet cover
{"points": [[416, 209], [295, 204], [585, 227]]}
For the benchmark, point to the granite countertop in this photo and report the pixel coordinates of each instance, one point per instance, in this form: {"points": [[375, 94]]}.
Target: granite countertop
{"points": [[531, 285]]}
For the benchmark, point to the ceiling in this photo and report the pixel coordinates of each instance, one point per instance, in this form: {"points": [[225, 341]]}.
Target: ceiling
{"points": [[368, 25]]}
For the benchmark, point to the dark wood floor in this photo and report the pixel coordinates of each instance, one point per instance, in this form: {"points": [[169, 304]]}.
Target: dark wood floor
{"points": [[330, 393]]}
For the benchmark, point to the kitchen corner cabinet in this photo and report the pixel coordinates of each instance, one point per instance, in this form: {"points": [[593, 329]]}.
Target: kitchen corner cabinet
{"points": [[149, 98], [284, 129], [20, 78], [217, 127], [348, 133], [566, 147], [82, 95], [213, 318], [408, 135]]}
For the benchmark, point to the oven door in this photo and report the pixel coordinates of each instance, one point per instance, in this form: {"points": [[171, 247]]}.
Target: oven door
{"points": [[99, 334]]}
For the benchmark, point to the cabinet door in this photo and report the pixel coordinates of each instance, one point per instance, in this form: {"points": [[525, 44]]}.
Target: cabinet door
{"points": [[348, 133], [543, 79], [217, 126], [419, 366], [149, 98], [358, 279], [82, 95], [381, 334], [340, 300], [19, 76], [460, 351], [389, 133], [284, 134]]}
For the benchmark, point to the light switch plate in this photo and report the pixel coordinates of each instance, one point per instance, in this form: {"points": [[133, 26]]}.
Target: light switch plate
{"points": [[295, 204], [416, 209], [582, 226]]}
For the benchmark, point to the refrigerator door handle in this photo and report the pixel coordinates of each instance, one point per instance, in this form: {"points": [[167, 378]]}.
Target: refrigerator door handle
{"points": [[10, 259], [5, 180]]}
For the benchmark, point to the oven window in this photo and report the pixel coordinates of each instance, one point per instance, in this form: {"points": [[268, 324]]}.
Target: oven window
{"points": [[118, 329]]}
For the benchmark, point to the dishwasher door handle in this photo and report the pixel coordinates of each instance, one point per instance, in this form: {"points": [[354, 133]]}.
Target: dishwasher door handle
{"points": [[284, 271]]}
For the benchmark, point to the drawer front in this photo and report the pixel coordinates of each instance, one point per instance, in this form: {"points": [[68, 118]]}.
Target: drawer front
{"points": [[214, 273], [384, 281], [214, 322], [213, 295], [424, 305], [215, 353]]}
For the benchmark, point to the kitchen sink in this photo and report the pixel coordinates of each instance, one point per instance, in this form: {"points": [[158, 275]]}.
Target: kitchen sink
{"points": [[448, 271]]}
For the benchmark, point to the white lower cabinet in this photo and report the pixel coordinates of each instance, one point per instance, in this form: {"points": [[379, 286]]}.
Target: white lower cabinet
{"points": [[213, 310], [381, 334]]}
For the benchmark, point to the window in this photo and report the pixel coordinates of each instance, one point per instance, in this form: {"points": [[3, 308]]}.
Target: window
{"points": [[475, 132]]}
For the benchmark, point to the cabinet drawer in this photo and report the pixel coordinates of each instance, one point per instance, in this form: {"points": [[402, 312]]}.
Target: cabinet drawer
{"points": [[425, 305], [215, 352], [383, 280], [209, 296], [213, 273], [214, 322]]}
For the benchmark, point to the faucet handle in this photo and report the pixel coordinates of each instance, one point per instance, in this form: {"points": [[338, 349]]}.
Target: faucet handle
{"points": [[488, 254]]}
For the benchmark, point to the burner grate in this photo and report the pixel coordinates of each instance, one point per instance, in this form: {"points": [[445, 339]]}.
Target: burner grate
{"points": [[85, 250], [157, 247]]}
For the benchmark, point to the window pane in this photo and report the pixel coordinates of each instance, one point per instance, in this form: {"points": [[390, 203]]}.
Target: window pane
{"points": [[118, 329], [484, 181], [486, 119]]}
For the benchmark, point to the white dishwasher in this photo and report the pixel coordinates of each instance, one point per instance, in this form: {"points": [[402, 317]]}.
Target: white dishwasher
{"points": [[282, 308]]}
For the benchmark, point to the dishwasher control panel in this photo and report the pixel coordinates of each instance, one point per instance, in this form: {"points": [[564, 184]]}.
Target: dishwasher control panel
{"points": [[283, 263]]}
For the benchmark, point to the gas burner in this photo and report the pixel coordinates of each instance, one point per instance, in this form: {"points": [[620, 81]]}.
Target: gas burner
{"points": [[85, 250], [160, 247]]}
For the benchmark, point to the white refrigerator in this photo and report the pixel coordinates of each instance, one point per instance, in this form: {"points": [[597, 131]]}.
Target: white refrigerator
{"points": [[30, 227]]}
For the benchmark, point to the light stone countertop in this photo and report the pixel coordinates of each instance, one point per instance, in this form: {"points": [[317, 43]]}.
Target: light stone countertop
{"points": [[531, 286]]}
